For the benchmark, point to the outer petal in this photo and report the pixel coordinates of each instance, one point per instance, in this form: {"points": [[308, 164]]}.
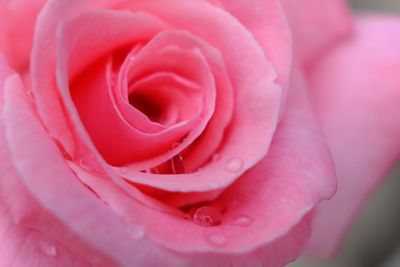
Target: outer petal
{"points": [[266, 21], [62, 196], [22, 246], [317, 24], [54, 185], [357, 90], [285, 209], [17, 21], [266, 212]]}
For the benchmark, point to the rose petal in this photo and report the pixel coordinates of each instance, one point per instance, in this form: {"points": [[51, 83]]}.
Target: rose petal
{"points": [[257, 121], [317, 25], [17, 21], [119, 142], [56, 188], [267, 22], [21, 246], [265, 213], [357, 89], [20, 213]]}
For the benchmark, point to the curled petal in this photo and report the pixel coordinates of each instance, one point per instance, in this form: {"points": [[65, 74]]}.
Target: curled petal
{"points": [[267, 22]]}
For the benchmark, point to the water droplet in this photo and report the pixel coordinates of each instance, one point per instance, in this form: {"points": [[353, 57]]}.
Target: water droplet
{"points": [[177, 166], [234, 165], [30, 95], [135, 232], [216, 157], [213, 185], [207, 216], [87, 164], [48, 249], [241, 220], [216, 238], [124, 170]]}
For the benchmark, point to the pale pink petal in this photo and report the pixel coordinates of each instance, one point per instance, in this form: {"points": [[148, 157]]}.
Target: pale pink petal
{"points": [[21, 246], [267, 22], [317, 24], [17, 22], [60, 193], [356, 88]]}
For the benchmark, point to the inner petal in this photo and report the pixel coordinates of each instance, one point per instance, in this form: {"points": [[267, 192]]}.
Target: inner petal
{"points": [[165, 99], [121, 136]]}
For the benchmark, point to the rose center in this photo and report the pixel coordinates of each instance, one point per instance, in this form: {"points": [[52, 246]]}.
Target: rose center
{"points": [[148, 106]]}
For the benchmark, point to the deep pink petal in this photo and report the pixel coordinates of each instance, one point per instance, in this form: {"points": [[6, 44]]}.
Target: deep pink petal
{"points": [[356, 88], [267, 210], [118, 141], [317, 24], [17, 22], [260, 118]]}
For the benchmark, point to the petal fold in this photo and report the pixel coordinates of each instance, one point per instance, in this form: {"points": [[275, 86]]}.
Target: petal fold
{"points": [[316, 25]]}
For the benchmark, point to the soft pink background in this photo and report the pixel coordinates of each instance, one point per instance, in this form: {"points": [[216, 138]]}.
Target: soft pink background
{"points": [[375, 237]]}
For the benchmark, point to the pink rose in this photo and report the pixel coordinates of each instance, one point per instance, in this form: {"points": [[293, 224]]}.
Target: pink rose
{"points": [[188, 133]]}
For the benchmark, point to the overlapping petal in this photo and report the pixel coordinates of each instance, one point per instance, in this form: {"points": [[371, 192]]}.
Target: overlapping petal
{"points": [[250, 121], [283, 220], [356, 88], [317, 25], [267, 22], [17, 22]]}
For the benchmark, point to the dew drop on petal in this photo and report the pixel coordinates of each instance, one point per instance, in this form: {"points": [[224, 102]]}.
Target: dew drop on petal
{"points": [[234, 165], [135, 232], [207, 216], [123, 170], [88, 163], [177, 165], [241, 220], [216, 157], [213, 185], [47, 249], [216, 238], [30, 95]]}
